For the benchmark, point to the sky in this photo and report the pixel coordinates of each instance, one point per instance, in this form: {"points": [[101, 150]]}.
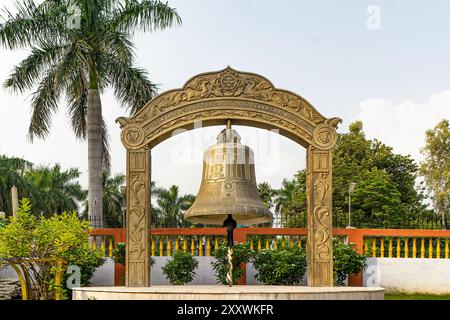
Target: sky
{"points": [[386, 63]]}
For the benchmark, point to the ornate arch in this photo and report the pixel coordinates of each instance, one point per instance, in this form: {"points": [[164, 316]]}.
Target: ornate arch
{"points": [[247, 99]]}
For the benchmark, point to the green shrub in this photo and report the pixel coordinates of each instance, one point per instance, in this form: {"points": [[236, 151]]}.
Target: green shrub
{"points": [[63, 236], [180, 269], [241, 254], [119, 254], [346, 261], [285, 266]]}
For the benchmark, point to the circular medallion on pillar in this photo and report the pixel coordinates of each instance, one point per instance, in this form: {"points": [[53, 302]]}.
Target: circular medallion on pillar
{"points": [[132, 136], [324, 136]]}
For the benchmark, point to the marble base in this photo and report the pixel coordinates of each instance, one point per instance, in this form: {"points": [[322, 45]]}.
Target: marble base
{"points": [[220, 292]]}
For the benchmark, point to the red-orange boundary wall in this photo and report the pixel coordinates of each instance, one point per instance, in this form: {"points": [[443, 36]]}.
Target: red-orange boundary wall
{"points": [[355, 236]]}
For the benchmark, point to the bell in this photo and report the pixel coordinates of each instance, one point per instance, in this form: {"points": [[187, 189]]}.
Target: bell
{"points": [[228, 185]]}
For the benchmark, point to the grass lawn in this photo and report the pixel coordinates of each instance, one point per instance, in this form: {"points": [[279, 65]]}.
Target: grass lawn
{"points": [[402, 296]]}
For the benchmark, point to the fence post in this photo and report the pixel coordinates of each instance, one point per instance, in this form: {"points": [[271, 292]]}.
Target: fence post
{"points": [[240, 236], [355, 236], [119, 269]]}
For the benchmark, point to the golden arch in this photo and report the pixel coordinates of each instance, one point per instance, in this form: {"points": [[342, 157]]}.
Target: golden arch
{"points": [[246, 99]]}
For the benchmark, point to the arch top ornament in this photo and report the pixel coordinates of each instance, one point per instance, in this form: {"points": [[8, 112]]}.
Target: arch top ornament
{"points": [[246, 98]]}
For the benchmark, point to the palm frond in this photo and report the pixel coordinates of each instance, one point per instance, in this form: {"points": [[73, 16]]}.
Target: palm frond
{"points": [[77, 97], [32, 24], [131, 85], [44, 103], [106, 155], [144, 16], [29, 70]]}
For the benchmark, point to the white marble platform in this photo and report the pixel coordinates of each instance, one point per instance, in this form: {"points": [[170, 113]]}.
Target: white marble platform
{"points": [[220, 292]]}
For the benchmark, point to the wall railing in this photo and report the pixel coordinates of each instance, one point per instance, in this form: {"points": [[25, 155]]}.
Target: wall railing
{"points": [[388, 243]]}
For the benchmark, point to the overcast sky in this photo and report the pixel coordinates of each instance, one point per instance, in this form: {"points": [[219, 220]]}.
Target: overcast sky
{"points": [[387, 65]]}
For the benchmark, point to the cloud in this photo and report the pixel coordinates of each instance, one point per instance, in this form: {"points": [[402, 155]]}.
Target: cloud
{"points": [[403, 125]]}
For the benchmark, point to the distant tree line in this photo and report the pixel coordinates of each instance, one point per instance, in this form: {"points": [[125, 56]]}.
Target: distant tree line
{"points": [[387, 191]]}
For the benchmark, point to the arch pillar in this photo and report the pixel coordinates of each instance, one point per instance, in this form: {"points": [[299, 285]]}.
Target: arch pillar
{"points": [[138, 182], [319, 217]]}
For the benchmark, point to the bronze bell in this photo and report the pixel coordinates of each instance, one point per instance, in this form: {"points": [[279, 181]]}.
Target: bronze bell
{"points": [[228, 185]]}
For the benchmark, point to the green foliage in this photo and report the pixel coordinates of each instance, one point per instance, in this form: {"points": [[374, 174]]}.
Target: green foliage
{"points": [[241, 254], [267, 193], [50, 189], [385, 192], [62, 236], [290, 201], [113, 200], [55, 190], [285, 266], [180, 270], [377, 199], [119, 253], [171, 208], [346, 261], [436, 168]]}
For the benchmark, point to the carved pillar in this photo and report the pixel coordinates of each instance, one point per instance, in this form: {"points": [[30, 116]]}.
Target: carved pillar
{"points": [[137, 218], [319, 211]]}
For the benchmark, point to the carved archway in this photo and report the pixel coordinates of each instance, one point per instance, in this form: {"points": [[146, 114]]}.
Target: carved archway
{"points": [[247, 99]]}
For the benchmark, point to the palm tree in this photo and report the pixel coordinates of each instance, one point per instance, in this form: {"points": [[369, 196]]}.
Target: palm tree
{"points": [[290, 201], [113, 199], [79, 48], [12, 173], [56, 190], [172, 206]]}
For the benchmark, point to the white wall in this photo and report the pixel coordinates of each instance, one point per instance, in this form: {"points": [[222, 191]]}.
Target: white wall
{"points": [[408, 275], [104, 276]]}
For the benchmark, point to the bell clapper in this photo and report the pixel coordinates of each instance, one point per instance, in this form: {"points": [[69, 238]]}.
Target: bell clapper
{"points": [[230, 224]]}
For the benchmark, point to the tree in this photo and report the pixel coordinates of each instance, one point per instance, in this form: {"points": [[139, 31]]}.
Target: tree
{"points": [[370, 163], [12, 173], [290, 201], [172, 206], [58, 190], [377, 199], [62, 236], [266, 192], [79, 48], [436, 168]]}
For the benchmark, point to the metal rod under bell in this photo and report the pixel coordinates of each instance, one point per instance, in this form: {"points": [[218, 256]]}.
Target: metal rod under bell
{"points": [[228, 124], [230, 224], [230, 267]]}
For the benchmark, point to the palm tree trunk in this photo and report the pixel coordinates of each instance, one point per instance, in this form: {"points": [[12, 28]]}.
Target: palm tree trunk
{"points": [[95, 149]]}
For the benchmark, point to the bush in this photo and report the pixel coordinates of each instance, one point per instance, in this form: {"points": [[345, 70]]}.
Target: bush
{"points": [[346, 261], [241, 254], [119, 254], [285, 266], [180, 269], [63, 236]]}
